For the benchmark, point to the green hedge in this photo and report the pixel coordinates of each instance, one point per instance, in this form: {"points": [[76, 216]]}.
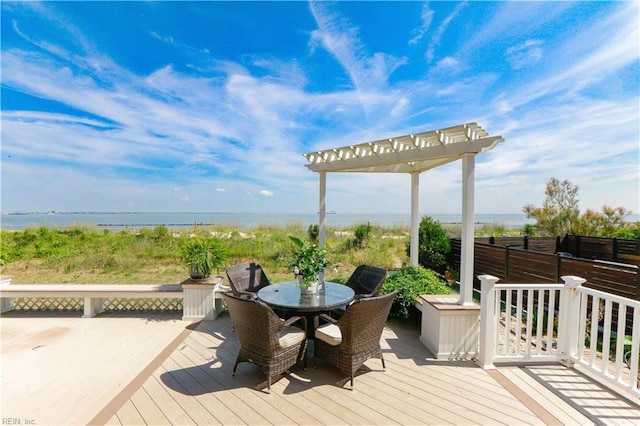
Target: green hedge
{"points": [[411, 282]]}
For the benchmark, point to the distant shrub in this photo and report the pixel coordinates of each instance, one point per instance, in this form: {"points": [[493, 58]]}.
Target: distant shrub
{"points": [[362, 234], [433, 245], [313, 232], [630, 232], [411, 282]]}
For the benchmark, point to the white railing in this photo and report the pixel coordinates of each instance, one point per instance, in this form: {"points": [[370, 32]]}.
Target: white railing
{"points": [[197, 300], [560, 322]]}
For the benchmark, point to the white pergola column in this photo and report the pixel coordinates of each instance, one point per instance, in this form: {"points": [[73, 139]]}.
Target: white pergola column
{"points": [[322, 210], [466, 252], [415, 217]]}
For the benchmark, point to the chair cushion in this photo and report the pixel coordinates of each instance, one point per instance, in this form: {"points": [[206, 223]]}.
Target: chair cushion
{"points": [[330, 334], [290, 336]]}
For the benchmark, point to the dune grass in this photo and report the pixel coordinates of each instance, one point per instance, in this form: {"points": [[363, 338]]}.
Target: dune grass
{"points": [[90, 255], [82, 254]]}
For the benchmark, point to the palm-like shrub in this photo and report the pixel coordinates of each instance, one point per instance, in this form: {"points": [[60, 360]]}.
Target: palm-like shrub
{"points": [[202, 255]]}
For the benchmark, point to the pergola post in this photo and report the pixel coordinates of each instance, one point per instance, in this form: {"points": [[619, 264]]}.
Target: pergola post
{"points": [[466, 252], [415, 219], [322, 210]]}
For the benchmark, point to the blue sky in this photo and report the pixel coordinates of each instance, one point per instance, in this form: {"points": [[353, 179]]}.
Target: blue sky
{"points": [[209, 106]]}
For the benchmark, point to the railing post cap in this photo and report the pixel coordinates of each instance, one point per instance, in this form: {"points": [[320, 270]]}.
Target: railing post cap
{"points": [[488, 278], [573, 281]]}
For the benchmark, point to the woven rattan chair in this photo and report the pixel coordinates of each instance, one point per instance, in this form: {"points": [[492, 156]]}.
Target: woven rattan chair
{"points": [[366, 281], [350, 341], [247, 279], [265, 339]]}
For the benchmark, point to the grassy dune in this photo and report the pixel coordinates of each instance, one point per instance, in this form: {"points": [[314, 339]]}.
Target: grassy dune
{"points": [[89, 255]]}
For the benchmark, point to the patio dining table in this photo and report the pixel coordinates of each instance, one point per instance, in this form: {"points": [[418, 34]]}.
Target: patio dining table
{"points": [[286, 296]]}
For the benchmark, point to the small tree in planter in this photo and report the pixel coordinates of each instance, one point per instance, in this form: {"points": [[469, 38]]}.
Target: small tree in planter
{"points": [[411, 282], [203, 255]]}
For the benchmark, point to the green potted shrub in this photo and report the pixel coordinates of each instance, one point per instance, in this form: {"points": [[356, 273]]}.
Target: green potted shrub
{"points": [[307, 261], [203, 255]]}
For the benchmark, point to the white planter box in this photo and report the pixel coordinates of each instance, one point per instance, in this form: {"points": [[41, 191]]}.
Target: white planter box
{"points": [[5, 302], [202, 299], [449, 330]]}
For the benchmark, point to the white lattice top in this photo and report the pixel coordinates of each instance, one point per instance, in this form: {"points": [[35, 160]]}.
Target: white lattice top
{"points": [[405, 154]]}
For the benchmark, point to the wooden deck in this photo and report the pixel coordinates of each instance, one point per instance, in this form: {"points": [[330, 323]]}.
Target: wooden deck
{"points": [[190, 382]]}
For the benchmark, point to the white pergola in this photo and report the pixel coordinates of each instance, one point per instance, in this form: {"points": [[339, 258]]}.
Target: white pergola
{"points": [[414, 154]]}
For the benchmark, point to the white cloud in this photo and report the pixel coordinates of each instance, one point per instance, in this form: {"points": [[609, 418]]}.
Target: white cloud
{"points": [[525, 54], [427, 17], [266, 193], [220, 189], [442, 28], [339, 37], [448, 64]]}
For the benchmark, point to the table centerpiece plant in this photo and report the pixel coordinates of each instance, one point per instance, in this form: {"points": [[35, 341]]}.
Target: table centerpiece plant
{"points": [[307, 261]]}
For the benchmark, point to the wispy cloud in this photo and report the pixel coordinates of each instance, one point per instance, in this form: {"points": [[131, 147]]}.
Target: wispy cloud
{"points": [[426, 17], [525, 54], [437, 36], [367, 71]]}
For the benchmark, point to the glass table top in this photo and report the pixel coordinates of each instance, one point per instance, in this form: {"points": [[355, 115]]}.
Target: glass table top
{"points": [[287, 295]]}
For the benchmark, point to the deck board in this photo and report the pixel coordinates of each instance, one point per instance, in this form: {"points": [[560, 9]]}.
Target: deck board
{"points": [[190, 382], [413, 389], [170, 408]]}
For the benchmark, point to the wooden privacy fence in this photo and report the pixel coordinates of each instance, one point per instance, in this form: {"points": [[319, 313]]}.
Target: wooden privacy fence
{"points": [[610, 249], [533, 260], [515, 264]]}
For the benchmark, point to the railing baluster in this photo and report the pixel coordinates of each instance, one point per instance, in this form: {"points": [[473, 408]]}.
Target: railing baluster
{"points": [[582, 324], [498, 310], [529, 327], [518, 321], [593, 344], [508, 322], [551, 316], [620, 336], [606, 336], [539, 324]]}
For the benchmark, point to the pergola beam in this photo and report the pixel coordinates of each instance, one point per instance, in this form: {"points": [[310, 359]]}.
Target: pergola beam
{"points": [[376, 157]]}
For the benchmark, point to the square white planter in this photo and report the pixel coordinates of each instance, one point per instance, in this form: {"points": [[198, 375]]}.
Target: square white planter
{"points": [[201, 299], [449, 330], [6, 303]]}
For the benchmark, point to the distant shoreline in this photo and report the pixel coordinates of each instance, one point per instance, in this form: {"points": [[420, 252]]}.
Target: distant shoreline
{"points": [[136, 220]]}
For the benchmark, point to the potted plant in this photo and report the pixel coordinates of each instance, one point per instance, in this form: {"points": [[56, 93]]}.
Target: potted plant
{"points": [[307, 261], [203, 254]]}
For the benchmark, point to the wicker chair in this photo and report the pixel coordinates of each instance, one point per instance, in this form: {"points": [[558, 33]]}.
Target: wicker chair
{"points": [[350, 341], [247, 279], [266, 340], [366, 281]]}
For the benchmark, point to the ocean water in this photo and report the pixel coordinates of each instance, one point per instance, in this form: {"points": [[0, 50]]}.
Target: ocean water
{"points": [[129, 220]]}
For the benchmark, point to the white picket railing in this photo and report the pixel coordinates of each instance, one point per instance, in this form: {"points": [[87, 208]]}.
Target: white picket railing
{"points": [[560, 322]]}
